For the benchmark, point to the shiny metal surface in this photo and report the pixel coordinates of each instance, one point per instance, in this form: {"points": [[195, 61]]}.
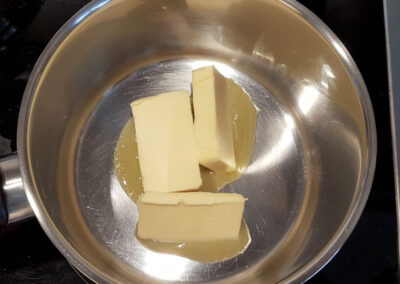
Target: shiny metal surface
{"points": [[392, 22], [17, 204], [315, 149], [274, 183]]}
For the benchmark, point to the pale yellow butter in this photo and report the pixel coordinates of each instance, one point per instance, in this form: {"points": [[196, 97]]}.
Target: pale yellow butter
{"points": [[166, 144], [191, 216], [212, 120]]}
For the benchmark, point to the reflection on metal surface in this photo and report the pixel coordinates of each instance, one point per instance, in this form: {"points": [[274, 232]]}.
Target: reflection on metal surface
{"points": [[12, 184], [274, 155], [340, 49], [279, 151], [326, 69], [289, 122], [266, 57], [166, 267], [126, 50], [308, 97], [90, 11], [17, 205], [326, 77], [118, 199]]}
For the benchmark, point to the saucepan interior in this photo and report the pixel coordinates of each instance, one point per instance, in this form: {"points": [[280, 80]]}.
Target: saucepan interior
{"points": [[314, 154]]}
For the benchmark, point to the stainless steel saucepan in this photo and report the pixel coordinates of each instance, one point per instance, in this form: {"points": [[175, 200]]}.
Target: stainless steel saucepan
{"points": [[314, 155]]}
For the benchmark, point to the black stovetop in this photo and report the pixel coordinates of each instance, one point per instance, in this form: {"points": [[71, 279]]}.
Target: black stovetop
{"points": [[369, 255]]}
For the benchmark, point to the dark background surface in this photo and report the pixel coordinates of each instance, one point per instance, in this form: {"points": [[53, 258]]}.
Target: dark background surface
{"points": [[369, 255]]}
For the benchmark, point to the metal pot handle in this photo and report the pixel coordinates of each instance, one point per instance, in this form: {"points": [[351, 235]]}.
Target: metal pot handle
{"points": [[14, 205]]}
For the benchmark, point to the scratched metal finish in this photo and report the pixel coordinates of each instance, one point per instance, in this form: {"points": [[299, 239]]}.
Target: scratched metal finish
{"points": [[273, 184]]}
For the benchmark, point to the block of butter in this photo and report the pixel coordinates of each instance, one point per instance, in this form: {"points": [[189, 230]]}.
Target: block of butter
{"points": [[191, 216], [213, 121], [166, 144]]}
